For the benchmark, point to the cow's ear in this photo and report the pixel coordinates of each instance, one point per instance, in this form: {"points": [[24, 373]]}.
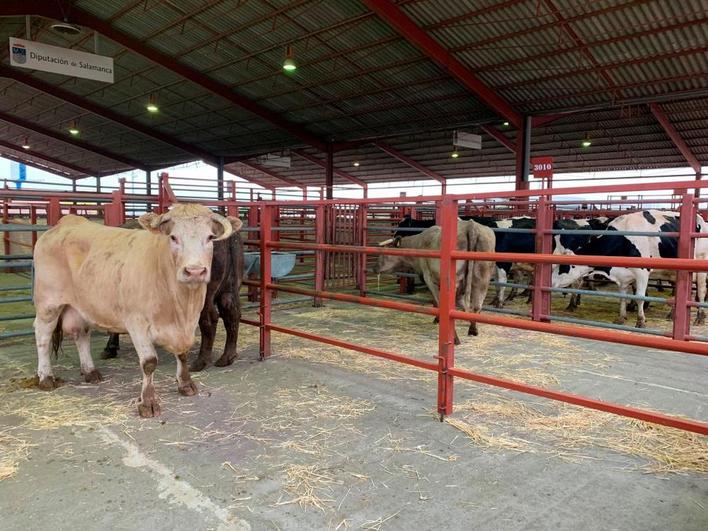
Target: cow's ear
{"points": [[236, 223], [150, 221]]}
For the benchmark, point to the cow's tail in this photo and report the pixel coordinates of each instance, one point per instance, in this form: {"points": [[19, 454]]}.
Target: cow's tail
{"points": [[57, 338]]}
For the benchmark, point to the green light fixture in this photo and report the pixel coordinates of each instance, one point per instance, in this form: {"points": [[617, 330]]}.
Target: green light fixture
{"points": [[289, 63], [73, 128], [152, 104], [455, 154], [586, 143]]}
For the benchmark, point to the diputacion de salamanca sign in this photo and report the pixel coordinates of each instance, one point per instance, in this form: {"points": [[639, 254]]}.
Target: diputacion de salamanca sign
{"points": [[40, 56]]}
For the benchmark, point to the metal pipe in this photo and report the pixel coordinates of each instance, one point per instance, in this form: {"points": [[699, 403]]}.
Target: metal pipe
{"points": [[640, 414]]}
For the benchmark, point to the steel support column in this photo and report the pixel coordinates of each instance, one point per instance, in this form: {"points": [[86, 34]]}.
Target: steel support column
{"points": [[220, 182], [148, 188], [329, 172], [523, 152]]}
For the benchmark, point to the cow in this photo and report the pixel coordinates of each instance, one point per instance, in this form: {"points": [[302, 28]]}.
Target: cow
{"points": [[150, 284], [639, 246], [222, 299], [472, 277]]}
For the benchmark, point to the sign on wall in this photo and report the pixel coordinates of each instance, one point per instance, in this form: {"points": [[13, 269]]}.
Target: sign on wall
{"points": [[40, 56], [542, 167]]}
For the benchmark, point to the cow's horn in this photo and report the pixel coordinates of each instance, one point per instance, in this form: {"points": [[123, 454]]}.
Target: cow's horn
{"points": [[225, 223], [386, 242]]}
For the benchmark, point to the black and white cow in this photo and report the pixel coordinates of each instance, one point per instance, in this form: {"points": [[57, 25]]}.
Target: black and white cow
{"points": [[639, 246]]}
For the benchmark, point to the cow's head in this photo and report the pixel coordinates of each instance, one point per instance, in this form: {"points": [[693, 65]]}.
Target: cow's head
{"points": [[192, 231], [564, 275], [387, 263]]}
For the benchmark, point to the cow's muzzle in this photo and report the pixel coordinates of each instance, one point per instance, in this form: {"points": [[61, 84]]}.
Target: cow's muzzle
{"points": [[193, 274]]}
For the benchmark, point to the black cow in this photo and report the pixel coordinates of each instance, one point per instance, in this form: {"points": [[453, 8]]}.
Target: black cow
{"points": [[222, 299]]}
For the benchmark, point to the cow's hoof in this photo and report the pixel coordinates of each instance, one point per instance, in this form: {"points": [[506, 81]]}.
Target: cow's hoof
{"points": [[641, 324], [108, 354], [189, 388], [93, 377], [472, 331], [48, 383], [457, 341], [670, 316], [149, 408], [436, 320], [700, 320], [225, 361], [496, 302], [620, 320], [198, 364]]}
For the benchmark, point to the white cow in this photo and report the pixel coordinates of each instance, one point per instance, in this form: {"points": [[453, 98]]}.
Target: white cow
{"points": [[150, 284]]}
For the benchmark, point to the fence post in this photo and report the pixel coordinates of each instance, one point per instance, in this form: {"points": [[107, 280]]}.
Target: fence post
{"points": [[541, 299], [252, 223], [33, 221], [6, 220], [265, 304], [446, 303], [319, 255], [232, 207], [53, 211], [684, 283], [363, 237]]}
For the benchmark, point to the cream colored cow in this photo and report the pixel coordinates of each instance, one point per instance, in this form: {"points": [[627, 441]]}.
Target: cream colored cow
{"points": [[150, 284]]}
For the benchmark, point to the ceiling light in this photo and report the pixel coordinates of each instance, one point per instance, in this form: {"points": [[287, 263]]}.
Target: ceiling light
{"points": [[152, 104], [505, 124], [73, 128], [65, 29], [586, 143], [25, 144], [289, 63], [355, 163], [455, 154]]}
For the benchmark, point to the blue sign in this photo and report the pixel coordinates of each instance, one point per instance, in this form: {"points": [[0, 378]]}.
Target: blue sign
{"points": [[18, 173]]}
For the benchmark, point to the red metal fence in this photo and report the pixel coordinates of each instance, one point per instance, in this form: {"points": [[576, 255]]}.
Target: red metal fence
{"points": [[340, 228]]}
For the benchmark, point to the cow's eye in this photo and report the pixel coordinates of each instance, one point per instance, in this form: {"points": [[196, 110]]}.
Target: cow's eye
{"points": [[173, 238]]}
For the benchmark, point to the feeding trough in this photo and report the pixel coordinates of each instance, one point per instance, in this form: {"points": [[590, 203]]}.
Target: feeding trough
{"points": [[280, 264]]}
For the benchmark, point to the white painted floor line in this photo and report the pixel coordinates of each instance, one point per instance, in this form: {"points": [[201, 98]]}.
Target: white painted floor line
{"points": [[639, 382], [174, 490]]}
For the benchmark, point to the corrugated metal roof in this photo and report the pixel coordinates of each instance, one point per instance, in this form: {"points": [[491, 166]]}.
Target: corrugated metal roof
{"points": [[357, 78]]}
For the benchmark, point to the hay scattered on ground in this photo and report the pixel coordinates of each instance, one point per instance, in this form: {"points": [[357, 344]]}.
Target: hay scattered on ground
{"points": [[13, 450], [309, 486], [571, 432]]}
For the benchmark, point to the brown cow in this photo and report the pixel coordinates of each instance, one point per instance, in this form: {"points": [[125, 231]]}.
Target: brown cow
{"points": [[473, 277], [150, 284], [222, 299]]}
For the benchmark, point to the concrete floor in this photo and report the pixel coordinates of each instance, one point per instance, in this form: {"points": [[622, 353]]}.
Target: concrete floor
{"points": [[264, 444]]}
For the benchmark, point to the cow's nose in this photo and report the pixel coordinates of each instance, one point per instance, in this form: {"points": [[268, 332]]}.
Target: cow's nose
{"points": [[195, 273]]}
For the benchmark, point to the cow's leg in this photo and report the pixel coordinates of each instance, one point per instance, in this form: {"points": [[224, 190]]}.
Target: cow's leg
{"points": [[701, 297], [622, 288], [83, 345], [208, 320], [641, 283], [231, 314], [498, 301], [148, 405], [44, 325], [112, 347], [185, 384], [433, 287]]}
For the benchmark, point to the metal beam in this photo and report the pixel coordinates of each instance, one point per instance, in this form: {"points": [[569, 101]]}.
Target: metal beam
{"points": [[47, 158], [322, 164], [55, 171], [274, 174], [78, 101], [675, 137], [409, 161], [26, 124], [499, 137], [75, 15], [523, 153], [404, 25]]}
